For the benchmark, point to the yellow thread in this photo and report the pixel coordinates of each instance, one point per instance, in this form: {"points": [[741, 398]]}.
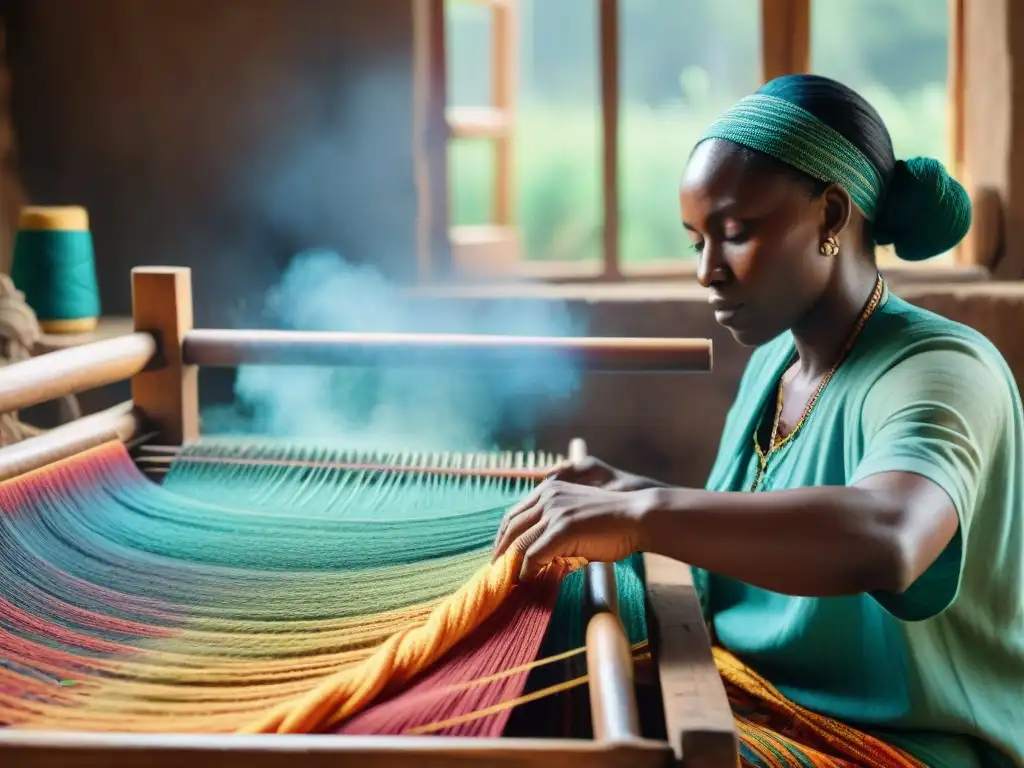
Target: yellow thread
{"points": [[470, 716], [456, 687], [551, 690]]}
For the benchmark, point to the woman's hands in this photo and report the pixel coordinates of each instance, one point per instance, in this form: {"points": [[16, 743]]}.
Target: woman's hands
{"points": [[594, 472], [563, 519]]}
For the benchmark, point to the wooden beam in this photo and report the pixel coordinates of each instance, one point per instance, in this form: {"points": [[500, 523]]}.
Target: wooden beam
{"points": [[993, 121], [90, 750], [785, 38], [486, 250], [698, 718], [230, 348], [609, 52], [478, 123], [121, 422], [168, 391], [76, 369]]}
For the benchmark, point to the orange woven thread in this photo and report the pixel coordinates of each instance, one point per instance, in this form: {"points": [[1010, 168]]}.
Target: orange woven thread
{"points": [[404, 655]]}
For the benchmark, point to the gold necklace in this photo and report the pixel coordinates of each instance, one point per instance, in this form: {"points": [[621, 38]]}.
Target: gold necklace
{"points": [[774, 443]]}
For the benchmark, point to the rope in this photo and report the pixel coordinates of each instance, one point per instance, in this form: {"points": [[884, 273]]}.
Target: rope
{"points": [[19, 333]]}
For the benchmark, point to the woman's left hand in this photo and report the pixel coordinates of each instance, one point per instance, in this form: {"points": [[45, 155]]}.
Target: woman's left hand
{"points": [[560, 519]]}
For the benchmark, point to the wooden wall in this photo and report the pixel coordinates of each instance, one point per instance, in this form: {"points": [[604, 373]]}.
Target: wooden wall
{"points": [[223, 135], [11, 193]]}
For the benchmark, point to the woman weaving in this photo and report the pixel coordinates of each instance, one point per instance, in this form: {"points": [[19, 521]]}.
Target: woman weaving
{"points": [[860, 542]]}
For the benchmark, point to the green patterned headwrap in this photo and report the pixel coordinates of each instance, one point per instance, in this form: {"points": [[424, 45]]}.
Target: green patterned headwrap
{"points": [[921, 209]]}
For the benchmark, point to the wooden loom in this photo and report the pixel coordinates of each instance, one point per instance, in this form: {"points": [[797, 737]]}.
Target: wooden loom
{"points": [[162, 357]]}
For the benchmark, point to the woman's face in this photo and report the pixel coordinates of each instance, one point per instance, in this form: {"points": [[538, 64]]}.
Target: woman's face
{"points": [[758, 236]]}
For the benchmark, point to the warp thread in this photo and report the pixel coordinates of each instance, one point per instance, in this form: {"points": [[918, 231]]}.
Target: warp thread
{"points": [[278, 638]]}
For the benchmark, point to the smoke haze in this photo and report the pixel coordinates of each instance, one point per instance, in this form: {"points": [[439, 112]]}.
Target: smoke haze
{"points": [[392, 408]]}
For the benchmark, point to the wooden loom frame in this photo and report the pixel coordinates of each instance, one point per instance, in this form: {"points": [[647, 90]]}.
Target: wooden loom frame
{"points": [[161, 359]]}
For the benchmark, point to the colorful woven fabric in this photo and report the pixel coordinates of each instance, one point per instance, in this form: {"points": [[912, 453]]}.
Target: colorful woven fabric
{"points": [[129, 606], [776, 733]]}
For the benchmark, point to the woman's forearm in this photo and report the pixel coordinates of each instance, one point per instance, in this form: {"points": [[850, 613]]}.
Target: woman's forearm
{"points": [[809, 541], [641, 483]]}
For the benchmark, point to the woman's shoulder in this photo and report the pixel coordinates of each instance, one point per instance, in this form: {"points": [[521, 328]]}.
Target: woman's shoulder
{"points": [[904, 330], [913, 349]]}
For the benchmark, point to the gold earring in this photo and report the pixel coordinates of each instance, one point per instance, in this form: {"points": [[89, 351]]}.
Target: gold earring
{"points": [[830, 247]]}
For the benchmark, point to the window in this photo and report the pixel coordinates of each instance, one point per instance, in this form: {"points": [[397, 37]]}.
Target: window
{"points": [[570, 121], [896, 55], [683, 62], [482, 47]]}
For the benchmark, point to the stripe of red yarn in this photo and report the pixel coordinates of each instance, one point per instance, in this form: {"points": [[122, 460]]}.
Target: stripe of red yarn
{"points": [[511, 637], [14, 617]]}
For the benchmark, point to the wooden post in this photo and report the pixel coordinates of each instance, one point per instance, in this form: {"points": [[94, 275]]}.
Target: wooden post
{"points": [[504, 76], [992, 112], [698, 718], [167, 392], [613, 706], [609, 56], [955, 87], [785, 38], [429, 139]]}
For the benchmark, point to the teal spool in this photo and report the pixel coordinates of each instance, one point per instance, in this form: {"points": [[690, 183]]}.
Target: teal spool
{"points": [[54, 265]]}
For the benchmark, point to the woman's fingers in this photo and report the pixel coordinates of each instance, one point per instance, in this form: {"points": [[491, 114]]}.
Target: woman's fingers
{"points": [[517, 526], [561, 471], [545, 546], [573, 472], [517, 509]]}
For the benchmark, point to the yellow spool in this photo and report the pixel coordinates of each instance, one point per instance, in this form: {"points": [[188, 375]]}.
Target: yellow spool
{"points": [[69, 218]]}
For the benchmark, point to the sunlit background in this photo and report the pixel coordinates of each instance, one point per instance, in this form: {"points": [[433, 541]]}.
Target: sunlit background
{"points": [[681, 63]]}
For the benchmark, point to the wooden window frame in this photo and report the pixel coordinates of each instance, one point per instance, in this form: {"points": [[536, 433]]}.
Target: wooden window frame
{"points": [[495, 250], [497, 244]]}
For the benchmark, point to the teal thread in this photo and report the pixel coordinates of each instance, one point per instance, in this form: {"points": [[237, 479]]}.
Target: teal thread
{"points": [[56, 270], [794, 136]]}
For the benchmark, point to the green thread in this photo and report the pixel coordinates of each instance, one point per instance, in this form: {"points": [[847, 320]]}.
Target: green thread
{"points": [[56, 271], [794, 136], [361, 519]]}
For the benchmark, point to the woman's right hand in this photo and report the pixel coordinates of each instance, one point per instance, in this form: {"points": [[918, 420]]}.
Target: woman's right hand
{"points": [[594, 472]]}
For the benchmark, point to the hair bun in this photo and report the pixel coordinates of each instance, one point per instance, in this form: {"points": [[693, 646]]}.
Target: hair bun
{"points": [[926, 211]]}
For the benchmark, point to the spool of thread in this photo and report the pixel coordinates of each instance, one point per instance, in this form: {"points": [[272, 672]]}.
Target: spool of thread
{"points": [[54, 266]]}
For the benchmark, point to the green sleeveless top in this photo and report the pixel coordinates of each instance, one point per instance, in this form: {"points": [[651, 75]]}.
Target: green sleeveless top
{"points": [[939, 669]]}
